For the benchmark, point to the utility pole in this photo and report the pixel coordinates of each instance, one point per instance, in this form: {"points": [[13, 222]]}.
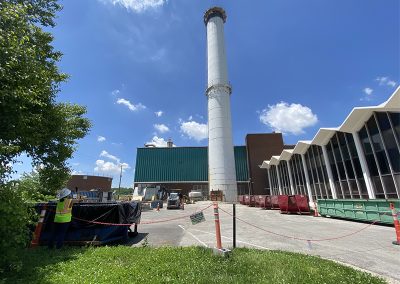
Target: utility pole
{"points": [[120, 177]]}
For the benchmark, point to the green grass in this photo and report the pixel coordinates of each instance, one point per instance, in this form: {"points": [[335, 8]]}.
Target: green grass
{"points": [[121, 264]]}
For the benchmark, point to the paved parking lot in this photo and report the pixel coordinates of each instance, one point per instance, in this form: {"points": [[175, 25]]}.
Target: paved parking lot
{"points": [[370, 249]]}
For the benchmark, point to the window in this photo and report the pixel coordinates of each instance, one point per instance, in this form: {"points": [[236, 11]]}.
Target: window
{"points": [[377, 146], [383, 156], [395, 120], [389, 140], [369, 156]]}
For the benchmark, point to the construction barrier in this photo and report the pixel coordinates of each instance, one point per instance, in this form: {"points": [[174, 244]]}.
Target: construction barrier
{"points": [[241, 199], [94, 223], [252, 202], [287, 204], [258, 199], [274, 202], [265, 202], [302, 204], [308, 240]]}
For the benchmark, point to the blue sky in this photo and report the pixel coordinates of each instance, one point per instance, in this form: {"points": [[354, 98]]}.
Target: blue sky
{"points": [[295, 66]]}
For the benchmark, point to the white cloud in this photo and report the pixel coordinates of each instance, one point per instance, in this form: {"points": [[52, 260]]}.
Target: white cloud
{"points": [[367, 94], [368, 91], [157, 142], [115, 92], [137, 6], [162, 128], [194, 130], [75, 164], [385, 81], [381, 80], [101, 138], [286, 118], [131, 106], [190, 118], [104, 153], [159, 113], [110, 167]]}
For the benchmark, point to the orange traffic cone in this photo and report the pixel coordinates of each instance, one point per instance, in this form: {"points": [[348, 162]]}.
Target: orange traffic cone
{"points": [[396, 224], [38, 229], [158, 206], [315, 210]]}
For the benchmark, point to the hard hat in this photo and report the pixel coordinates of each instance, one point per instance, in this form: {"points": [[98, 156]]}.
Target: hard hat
{"points": [[63, 193]]}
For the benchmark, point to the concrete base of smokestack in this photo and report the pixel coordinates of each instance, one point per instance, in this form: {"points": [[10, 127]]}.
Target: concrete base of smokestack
{"points": [[229, 192]]}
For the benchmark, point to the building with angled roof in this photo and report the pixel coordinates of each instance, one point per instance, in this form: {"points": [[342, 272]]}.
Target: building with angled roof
{"points": [[360, 159]]}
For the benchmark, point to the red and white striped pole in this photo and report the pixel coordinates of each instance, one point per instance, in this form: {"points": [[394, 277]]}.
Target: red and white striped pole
{"points": [[38, 229], [396, 224], [217, 226]]}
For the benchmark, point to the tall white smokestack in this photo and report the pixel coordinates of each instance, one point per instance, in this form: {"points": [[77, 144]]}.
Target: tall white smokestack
{"points": [[221, 159]]}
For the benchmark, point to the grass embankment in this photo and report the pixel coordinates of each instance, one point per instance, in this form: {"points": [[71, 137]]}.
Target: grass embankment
{"points": [[123, 264]]}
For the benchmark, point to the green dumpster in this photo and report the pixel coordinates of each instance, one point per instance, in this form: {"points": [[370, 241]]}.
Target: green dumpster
{"points": [[369, 210]]}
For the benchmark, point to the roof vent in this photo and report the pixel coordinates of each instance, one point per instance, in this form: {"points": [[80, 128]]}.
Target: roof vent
{"points": [[170, 144]]}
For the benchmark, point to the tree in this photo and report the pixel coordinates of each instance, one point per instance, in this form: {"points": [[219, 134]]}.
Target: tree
{"points": [[122, 190], [31, 120]]}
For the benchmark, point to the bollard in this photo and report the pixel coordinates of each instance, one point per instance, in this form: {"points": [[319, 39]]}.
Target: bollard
{"points": [[396, 224], [217, 226], [38, 229], [315, 210], [234, 225]]}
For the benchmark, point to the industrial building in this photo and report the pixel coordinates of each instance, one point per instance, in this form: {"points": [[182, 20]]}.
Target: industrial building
{"points": [[360, 159], [186, 168], [88, 183]]}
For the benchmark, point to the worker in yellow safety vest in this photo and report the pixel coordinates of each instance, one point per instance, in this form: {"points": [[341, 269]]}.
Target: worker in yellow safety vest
{"points": [[62, 218]]}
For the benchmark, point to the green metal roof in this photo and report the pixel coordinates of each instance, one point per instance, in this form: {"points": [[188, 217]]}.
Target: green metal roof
{"points": [[180, 164]]}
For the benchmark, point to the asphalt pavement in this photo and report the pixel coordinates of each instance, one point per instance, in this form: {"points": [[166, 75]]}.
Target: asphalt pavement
{"points": [[365, 246]]}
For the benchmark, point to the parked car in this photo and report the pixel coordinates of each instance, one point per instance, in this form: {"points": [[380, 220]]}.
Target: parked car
{"points": [[195, 195], [173, 200]]}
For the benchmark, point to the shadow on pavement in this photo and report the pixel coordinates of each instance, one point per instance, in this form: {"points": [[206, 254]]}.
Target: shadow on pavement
{"points": [[135, 240]]}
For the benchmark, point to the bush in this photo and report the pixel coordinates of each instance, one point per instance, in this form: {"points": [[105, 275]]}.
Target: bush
{"points": [[32, 189], [16, 216]]}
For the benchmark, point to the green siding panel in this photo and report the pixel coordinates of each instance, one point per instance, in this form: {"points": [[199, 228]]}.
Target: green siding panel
{"points": [[241, 163], [181, 164]]}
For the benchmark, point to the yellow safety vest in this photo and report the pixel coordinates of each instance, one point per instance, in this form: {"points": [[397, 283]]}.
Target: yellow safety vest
{"points": [[63, 211]]}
